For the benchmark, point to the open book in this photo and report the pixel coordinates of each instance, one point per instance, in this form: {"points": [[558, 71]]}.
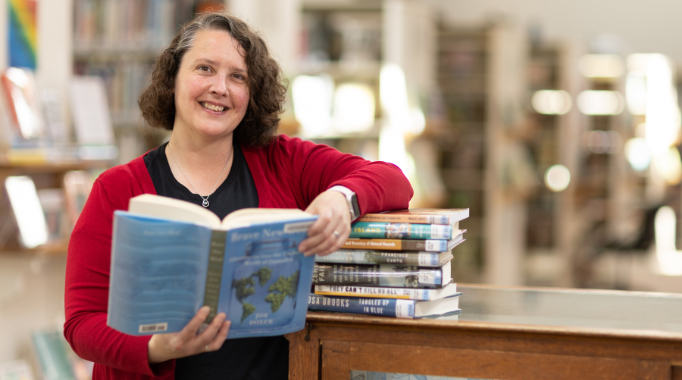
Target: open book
{"points": [[170, 257]]}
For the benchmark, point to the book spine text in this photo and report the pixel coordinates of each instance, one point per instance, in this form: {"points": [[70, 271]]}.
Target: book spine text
{"points": [[400, 231], [426, 259], [378, 275], [214, 274], [397, 244], [369, 306], [417, 219], [375, 292]]}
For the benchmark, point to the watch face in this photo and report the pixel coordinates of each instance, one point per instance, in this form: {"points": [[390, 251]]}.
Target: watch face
{"points": [[355, 206]]}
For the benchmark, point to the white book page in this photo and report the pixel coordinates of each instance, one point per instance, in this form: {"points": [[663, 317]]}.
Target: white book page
{"points": [[248, 216], [173, 209]]}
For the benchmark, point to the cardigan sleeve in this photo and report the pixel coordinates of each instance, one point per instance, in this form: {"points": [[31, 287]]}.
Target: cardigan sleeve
{"points": [[87, 287], [379, 186]]}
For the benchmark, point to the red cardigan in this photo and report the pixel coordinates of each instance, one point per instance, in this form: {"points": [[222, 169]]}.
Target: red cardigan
{"points": [[289, 173]]}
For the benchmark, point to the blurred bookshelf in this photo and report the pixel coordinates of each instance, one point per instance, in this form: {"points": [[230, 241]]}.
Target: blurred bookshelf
{"points": [[59, 198], [342, 45], [462, 61], [552, 137], [119, 41]]}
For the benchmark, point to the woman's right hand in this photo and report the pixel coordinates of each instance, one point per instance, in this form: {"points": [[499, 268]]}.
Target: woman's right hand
{"points": [[187, 342]]}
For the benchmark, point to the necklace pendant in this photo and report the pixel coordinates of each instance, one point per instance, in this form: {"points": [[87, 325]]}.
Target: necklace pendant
{"points": [[205, 203]]}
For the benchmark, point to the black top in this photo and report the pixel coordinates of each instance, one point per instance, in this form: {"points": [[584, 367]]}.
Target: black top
{"points": [[248, 358]]}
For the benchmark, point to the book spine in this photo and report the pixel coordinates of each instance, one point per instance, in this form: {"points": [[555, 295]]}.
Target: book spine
{"points": [[378, 275], [397, 244], [370, 306], [367, 257], [214, 274], [400, 231], [374, 292], [417, 219]]}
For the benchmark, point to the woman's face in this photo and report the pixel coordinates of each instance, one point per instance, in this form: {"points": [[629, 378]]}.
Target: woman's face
{"points": [[211, 94]]}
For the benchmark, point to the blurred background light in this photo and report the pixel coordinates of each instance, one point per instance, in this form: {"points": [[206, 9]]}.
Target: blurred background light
{"points": [[669, 259], [557, 178], [551, 102], [662, 112], [417, 121], [602, 142], [396, 118], [635, 92], [668, 164], [312, 100], [637, 153], [600, 102], [637, 62], [354, 108], [601, 65], [394, 101]]}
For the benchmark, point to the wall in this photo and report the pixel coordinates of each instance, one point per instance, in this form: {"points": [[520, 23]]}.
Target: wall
{"points": [[645, 26]]}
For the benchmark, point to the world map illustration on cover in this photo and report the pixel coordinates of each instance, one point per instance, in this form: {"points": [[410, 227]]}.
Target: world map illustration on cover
{"points": [[264, 287]]}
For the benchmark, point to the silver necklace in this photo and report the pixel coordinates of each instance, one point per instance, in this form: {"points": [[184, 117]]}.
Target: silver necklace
{"points": [[204, 202]]}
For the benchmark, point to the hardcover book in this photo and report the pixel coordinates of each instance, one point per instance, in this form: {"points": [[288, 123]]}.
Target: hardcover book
{"points": [[408, 309], [428, 245], [382, 275], [419, 216], [402, 230], [170, 257], [368, 257], [448, 290]]}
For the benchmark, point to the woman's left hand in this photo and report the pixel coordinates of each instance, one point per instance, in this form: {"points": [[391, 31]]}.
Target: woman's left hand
{"points": [[331, 229]]}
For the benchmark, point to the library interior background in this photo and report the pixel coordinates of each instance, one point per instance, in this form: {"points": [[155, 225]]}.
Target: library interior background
{"points": [[556, 123]]}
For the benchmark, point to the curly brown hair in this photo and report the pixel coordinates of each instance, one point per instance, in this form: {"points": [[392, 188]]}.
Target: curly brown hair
{"points": [[267, 88]]}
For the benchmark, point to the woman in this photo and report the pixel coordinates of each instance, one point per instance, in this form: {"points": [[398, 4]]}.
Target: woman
{"points": [[219, 91]]}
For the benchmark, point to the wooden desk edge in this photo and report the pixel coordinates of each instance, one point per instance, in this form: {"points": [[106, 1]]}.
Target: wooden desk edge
{"points": [[433, 325]]}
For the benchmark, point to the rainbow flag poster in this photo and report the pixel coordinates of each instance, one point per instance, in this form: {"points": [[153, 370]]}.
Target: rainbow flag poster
{"points": [[23, 33]]}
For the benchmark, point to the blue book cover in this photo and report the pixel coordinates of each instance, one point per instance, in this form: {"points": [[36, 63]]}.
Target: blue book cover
{"points": [[163, 270]]}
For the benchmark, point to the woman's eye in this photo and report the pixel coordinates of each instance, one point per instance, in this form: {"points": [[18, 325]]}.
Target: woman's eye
{"points": [[239, 76], [204, 68]]}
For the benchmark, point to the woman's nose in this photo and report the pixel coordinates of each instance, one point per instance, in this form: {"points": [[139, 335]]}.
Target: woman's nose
{"points": [[219, 85]]}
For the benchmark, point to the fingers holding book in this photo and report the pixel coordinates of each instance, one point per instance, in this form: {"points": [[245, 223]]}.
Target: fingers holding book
{"points": [[331, 229], [191, 340]]}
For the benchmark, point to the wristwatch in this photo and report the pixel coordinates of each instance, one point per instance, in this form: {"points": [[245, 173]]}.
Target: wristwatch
{"points": [[352, 200]]}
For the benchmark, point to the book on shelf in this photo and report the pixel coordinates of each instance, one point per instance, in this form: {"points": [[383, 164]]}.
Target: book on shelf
{"points": [[77, 185], [428, 245], [114, 24], [16, 370], [448, 290], [21, 105], [90, 109], [419, 216], [50, 348], [402, 230], [170, 258], [57, 360], [27, 210], [370, 257], [400, 276], [398, 308]]}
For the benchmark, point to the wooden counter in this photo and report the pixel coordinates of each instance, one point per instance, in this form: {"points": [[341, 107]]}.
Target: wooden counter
{"points": [[504, 333]]}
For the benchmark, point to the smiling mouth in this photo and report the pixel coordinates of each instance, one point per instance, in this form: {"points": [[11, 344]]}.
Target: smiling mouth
{"points": [[212, 107]]}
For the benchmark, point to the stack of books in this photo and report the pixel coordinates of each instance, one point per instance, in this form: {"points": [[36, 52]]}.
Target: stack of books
{"points": [[395, 263]]}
